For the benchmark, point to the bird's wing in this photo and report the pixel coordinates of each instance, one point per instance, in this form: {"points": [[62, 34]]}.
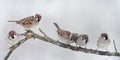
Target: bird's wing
{"points": [[27, 20]]}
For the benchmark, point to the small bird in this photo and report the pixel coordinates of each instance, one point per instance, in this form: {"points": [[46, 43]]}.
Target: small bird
{"points": [[12, 38], [63, 35], [29, 22], [80, 40], [103, 41]]}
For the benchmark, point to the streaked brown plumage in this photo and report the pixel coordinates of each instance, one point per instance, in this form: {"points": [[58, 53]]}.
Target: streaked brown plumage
{"points": [[29, 22], [63, 35], [81, 40]]}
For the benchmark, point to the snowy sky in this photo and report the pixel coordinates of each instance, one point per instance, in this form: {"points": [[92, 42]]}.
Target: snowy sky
{"points": [[81, 16]]}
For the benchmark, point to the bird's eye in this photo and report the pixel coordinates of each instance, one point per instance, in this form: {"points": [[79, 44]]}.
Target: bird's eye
{"points": [[82, 39], [103, 37], [12, 37]]}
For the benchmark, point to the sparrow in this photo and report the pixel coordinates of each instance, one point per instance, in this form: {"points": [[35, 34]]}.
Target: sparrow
{"points": [[12, 38], [63, 35], [29, 22], [80, 40], [103, 41]]}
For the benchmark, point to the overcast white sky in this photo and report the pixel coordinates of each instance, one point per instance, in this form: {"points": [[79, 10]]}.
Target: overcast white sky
{"points": [[81, 16]]}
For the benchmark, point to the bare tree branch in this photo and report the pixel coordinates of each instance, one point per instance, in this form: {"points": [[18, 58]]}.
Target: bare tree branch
{"points": [[14, 47], [106, 53], [33, 35], [115, 46], [42, 32], [50, 40]]}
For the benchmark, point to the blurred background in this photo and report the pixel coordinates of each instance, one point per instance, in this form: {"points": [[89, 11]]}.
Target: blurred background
{"points": [[80, 16]]}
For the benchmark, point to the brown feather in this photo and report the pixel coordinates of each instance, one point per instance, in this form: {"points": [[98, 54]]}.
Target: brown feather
{"points": [[56, 25]]}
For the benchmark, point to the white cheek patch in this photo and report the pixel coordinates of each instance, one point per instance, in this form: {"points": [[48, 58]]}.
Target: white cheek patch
{"points": [[83, 40], [103, 38], [15, 36], [36, 18], [10, 37]]}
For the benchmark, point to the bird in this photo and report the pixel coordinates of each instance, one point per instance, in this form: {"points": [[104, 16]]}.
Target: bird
{"points": [[80, 40], [29, 22], [12, 38], [63, 35], [103, 41]]}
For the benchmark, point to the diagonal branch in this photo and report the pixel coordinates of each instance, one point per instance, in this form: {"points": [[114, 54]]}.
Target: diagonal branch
{"points": [[73, 48], [20, 42], [42, 32], [14, 47], [50, 40]]}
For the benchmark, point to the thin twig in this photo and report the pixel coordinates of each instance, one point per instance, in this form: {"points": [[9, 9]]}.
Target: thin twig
{"points": [[42, 32], [115, 46], [9, 53]]}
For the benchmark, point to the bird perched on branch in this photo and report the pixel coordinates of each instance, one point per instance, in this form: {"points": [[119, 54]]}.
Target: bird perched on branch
{"points": [[63, 35], [29, 22], [13, 38], [103, 41], [67, 37], [80, 40]]}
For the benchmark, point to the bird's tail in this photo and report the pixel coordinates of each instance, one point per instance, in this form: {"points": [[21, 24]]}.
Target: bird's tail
{"points": [[12, 21], [56, 25], [17, 22]]}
